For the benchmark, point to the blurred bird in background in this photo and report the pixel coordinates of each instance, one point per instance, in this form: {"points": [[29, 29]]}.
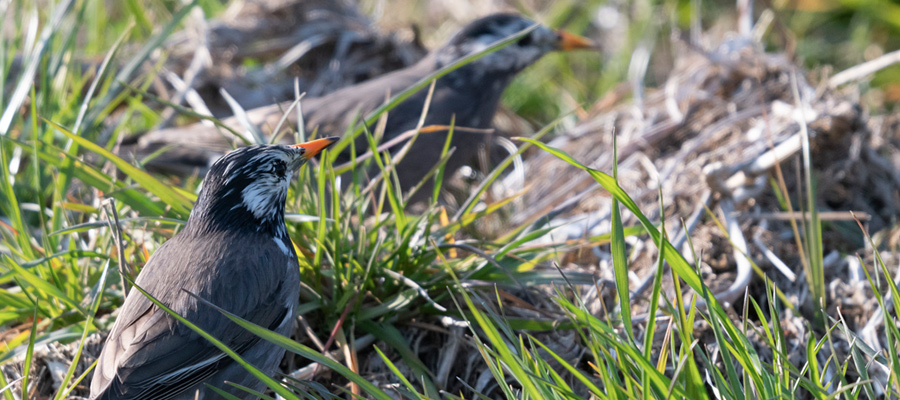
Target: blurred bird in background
{"points": [[471, 94]]}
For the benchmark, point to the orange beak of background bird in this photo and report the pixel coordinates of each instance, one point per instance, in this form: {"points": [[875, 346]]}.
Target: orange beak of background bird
{"points": [[315, 146], [571, 41]]}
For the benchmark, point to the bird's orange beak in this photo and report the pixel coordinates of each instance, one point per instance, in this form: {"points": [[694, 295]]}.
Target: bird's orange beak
{"points": [[570, 41], [314, 147]]}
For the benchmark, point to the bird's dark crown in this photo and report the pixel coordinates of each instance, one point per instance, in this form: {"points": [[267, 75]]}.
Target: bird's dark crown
{"points": [[486, 31], [246, 189]]}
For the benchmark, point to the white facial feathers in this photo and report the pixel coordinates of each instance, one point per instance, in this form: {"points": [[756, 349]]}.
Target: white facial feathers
{"points": [[270, 175], [263, 182], [266, 194]]}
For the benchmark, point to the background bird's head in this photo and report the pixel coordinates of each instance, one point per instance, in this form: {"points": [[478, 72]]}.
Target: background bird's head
{"points": [[246, 189], [481, 33]]}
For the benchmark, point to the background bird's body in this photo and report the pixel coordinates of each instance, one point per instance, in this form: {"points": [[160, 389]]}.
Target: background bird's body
{"points": [[473, 106], [471, 94], [469, 105]]}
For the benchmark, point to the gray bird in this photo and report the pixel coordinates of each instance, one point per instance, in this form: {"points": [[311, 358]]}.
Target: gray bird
{"points": [[235, 252], [471, 93]]}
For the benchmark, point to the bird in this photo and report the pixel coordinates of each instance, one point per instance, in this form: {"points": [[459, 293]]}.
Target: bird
{"points": [[470, 94], [234, 252]]}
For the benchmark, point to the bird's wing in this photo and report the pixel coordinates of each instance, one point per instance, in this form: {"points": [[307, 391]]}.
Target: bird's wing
{"points": [[331, 114], [149, 355]]}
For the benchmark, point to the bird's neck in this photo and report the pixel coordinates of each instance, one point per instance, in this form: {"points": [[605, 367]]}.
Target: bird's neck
{"points": [[225, 212]]}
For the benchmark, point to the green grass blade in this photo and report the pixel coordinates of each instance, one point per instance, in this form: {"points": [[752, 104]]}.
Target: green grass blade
{"points": [[619, 259], [30, 69], [43, 286], [6, 387], [300, 349], [252, 392], [271, 383], [505, 354], [470, 203], [101, 284], [125, 73], [180, 204], [10, 207], [399, 375], [224, 394], [677, 262], [92, 176], [26, 368], [576, 373], [80, 379], [390, 335]]}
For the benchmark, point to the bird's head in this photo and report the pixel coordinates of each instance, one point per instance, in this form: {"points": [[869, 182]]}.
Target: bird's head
{"points": [[482, 33], [246, 189]]}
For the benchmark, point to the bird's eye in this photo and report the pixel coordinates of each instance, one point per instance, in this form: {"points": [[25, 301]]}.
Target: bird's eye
{"points": [[525, 41], [280, 168]]}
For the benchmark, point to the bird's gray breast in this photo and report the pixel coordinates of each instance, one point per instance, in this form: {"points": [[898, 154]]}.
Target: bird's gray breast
{"points": [[241, 273], [255, 267]]}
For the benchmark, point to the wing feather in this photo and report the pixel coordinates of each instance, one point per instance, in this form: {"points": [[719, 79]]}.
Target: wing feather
{"points": [[150, 355]]}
